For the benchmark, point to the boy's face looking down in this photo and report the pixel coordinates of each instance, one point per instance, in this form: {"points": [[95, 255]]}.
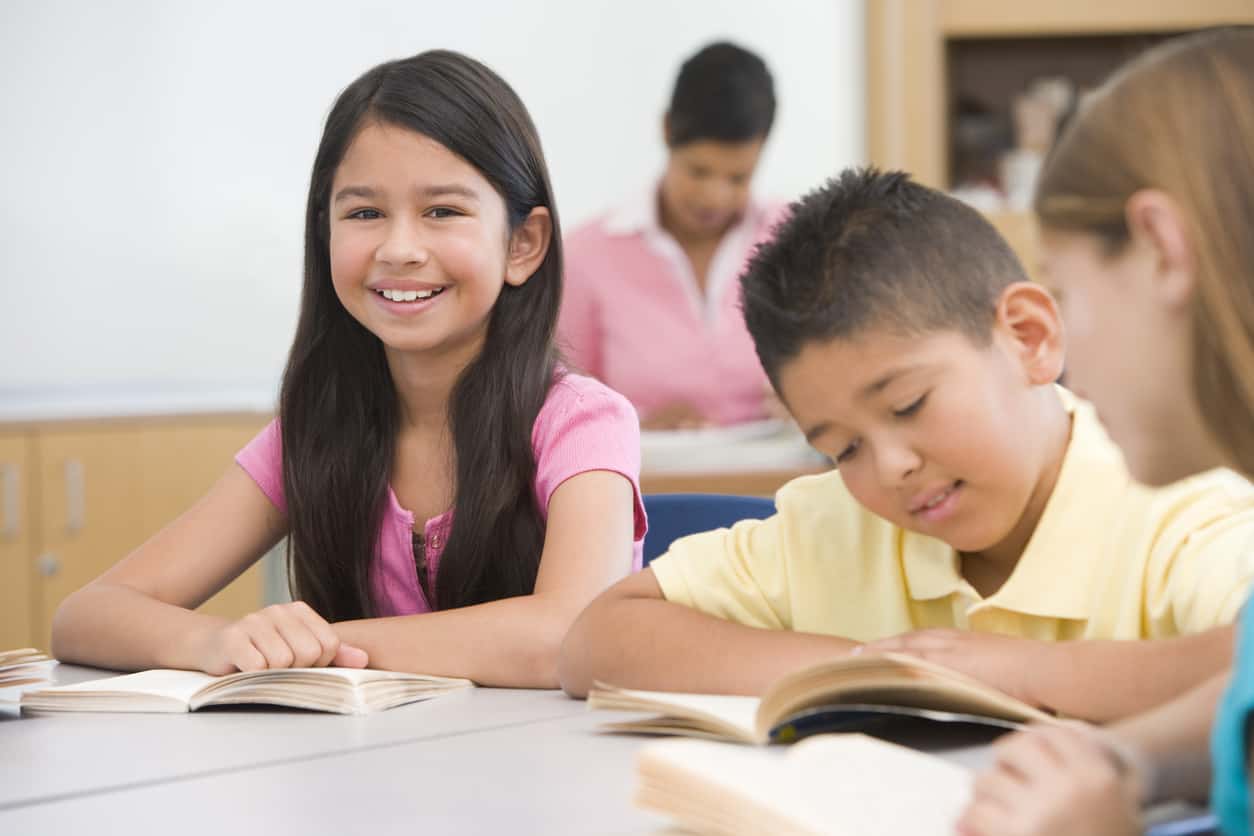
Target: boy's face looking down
{"points": [[938, 433]]}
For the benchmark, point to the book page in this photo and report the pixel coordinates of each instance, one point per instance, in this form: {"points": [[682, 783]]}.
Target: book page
{"points": [[351, 676], [859, 785], [889, 679], [179, 685], [837, 785], [717, 713]]}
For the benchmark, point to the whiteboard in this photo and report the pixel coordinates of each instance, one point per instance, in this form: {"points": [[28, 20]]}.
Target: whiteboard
{"points": [[155, 155]]}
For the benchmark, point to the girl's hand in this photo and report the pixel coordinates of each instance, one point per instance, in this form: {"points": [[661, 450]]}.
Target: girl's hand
{"points": [[1053, 779], [279, 636]]}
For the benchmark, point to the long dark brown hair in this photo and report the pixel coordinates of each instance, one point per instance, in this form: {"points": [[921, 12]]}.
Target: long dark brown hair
{"points": [[338, 409]]}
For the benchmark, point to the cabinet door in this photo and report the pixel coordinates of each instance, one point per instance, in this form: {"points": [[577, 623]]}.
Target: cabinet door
{"points": [[16, 543], [89, 510], [179, 461]]}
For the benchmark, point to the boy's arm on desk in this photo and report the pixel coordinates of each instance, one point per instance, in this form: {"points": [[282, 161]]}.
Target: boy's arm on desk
{"points": [[633, 637], [1096, 680]]}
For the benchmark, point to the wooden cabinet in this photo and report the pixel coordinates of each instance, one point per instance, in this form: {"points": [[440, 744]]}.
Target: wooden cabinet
{"points": [[17, 540], [79, 496], [927, 58]]}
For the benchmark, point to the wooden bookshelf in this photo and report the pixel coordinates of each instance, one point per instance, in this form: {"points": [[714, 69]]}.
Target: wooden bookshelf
{"points": [[923, 55]]}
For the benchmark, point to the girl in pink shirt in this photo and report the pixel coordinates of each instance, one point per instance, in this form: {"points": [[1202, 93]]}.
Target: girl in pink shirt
{"points": [[452, 498], [652, 305]]}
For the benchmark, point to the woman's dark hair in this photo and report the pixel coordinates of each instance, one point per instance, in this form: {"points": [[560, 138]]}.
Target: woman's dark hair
{"points": [[724, 93], [338, 410]]}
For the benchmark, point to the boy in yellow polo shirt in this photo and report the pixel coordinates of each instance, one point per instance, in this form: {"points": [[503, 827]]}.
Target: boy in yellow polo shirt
{"points": [[977, 515]]}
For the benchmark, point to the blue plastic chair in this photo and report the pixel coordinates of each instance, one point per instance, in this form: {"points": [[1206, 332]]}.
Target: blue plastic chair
{"points": [[675, 515]]}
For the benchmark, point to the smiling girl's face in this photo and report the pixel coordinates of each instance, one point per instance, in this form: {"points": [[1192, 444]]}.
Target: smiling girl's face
{"points": [[418, 242]]}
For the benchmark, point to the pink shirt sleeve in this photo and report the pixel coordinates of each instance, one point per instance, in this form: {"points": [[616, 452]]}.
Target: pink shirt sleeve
{"points": [[584, 425], [579, 331], [262, 459]]}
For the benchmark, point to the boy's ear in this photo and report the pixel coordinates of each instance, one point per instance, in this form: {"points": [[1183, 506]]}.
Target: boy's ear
{"points": [[666, 128], [528, 245], [1028, 321]]}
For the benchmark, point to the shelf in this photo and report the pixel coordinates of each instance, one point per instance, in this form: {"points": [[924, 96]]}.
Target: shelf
{"points": [[998, 18]]}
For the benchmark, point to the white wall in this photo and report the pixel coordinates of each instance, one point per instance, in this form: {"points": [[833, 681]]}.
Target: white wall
{"points": [[154, 155]]}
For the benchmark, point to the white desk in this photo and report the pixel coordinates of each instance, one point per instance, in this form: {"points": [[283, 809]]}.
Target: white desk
{"points": [[51, 757], [480, 761]]}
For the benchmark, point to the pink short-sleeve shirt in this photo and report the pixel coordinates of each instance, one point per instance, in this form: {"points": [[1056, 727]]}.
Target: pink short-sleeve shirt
{"points": [[634, 317], [582, 426]]}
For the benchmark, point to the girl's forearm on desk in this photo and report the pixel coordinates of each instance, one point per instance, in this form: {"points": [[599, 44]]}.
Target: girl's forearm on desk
{"points": [[513, 642], [114, 626]]}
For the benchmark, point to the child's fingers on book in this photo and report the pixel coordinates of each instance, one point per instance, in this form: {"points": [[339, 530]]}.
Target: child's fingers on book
{"points": [[245, 656], [1086, 754], [999, 785], [917, 642], [1027, 753], [265, 637], [983, 818], [320, 632], [305, 646], [306, 634], [350, 657], [232, 646]]}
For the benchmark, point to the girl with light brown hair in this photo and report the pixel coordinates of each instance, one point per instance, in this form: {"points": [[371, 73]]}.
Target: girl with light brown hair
{"points": [[1146, 208]]}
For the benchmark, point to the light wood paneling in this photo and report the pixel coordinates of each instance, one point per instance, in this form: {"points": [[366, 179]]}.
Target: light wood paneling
{"points": [[16, 542], [89, 515], [998, 18], [103, 488], [179, 461], [906, 89], [1019, 230]]}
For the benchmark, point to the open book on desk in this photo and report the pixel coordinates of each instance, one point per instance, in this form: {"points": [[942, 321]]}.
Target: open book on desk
{"points": [[840, 695], [828, 785], [337, 690], [23, 667]]}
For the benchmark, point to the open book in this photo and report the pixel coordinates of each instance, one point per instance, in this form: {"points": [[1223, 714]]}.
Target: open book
{"points": [[839, 695], [827, 785], [22, 667], [338, 690]]}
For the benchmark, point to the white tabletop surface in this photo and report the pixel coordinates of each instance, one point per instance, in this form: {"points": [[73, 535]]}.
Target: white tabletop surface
{"points": [[479, 761]]}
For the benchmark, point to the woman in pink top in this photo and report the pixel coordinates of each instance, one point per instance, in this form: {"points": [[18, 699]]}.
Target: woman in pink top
{"points": [[652, 306], [451, 497]]}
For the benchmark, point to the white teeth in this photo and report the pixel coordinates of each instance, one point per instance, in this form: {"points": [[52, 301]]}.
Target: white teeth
{"points": [[408, 295], [939, 499]]}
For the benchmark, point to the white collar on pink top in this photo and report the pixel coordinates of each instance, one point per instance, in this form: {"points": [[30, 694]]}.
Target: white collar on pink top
{"points": [[639, 214]]}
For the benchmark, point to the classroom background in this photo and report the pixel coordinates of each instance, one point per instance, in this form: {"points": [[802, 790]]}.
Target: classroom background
{"points": [[156, 161]]}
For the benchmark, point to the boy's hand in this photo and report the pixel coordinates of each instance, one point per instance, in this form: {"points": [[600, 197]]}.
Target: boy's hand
{"points": [[1008, 664], [1053, 779], [279, 636]]}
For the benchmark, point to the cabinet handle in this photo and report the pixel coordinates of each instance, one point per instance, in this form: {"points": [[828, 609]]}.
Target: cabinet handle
{"points": [[48, 565], [9, 478], [75, 497]]}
